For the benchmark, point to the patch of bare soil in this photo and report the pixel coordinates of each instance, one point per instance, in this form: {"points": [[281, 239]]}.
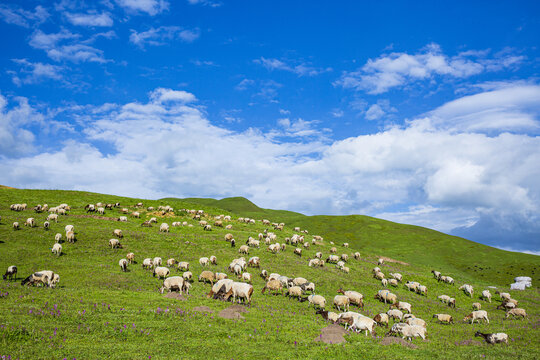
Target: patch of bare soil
{"points": [[468, 343], [390, 260], [332, 334], [175, 295], [233, 312], [203, 309], [389, 340], [161, 214], [95, 217]]}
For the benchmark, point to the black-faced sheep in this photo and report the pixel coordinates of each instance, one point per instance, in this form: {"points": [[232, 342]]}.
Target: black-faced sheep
{"points": [[11, 273]]}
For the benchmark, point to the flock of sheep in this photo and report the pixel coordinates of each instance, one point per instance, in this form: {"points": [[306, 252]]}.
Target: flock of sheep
{"points": [[405, 324]]}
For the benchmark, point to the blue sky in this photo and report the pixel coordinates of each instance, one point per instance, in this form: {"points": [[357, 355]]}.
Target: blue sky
{"points": [[417, 112]]}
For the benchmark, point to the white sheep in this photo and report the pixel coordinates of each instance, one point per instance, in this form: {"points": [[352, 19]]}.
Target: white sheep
{"points": [[123, 218], [114, 243], [493, 338], [11, 273], [183, 266], [57, 249], [130, 258], [467, 289], [244, 249], [246, 277], [395, 314], [53, 217], [317, 300], [161, 272], [187, 276], [516, 312], [341, 302], [477, 315], [486, 295], [242, 291], [16, 226], [70, 236], [174, 283], [58, 237], [416, 321], [147, 263], [404, 306], [45, 277], [171, 262], [204, 261], [381, 319], [157, 261], [118, 233], [164, 227], [123, 264], [69, 228], [30, 222]]}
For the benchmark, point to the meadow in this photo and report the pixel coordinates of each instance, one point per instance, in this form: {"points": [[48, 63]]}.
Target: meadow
{"points": [[97, 311]]}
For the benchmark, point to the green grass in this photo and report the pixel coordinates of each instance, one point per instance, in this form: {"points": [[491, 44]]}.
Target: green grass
{"points": [[99, 312]]}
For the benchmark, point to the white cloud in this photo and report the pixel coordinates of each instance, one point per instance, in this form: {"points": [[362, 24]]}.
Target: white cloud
{"points": [[31, 73], [301, 69], [159, 36], [378, 110], [151, 7], [399, 69], [244, 84], [91, 19], [422, 172], [72, 51], [19, 16]]}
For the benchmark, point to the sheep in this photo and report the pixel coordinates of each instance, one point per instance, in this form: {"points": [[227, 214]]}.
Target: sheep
{"points": [[228, 227], [122, 218], [416, 322], [244, 249], [332, 259], [241, 290], [273, 276], [146, 223], [264, 274], [446, 279], [376, 269], [123, 264], [11, 273], [308, 287], [486, 295], [386, 296], [207, 276], [30, 222], [130, 258], [273, 285], [118, 233], [306, 245], [254, 262], [381, 319], [46, 225], [355, 298], [52, 217], [410, 331], [101, 210], [70, 236], [44, 277], [395, 314], [476, 306], [229, 237], [493, 338], [467, 289], [393, 282], [506, 306], [295, 291], [57, 249], [135, 214], [503, 295], [207, 228], [402, 306], [213, 260], [147, 263], [253, 243], [396, 276], [221, 276], [380, 261], [384, 282], [298, 252], [422, 290], [152, 220], [447, 300], [171, 262], [341, 301], [69, 228], [333, 250], [477, 315], [174, 283], [157, 261], [412, 285], [444, 318], [314, 262], [436, 274], [188, 276], [161, 272], [246, 277], [360, 323], [58, 237], [317, 300], [378, 275], [233, 243], [204, 261], [164, 227], [114, 243], [328, 315], [220, 288], [516, 312], [16, 226]]}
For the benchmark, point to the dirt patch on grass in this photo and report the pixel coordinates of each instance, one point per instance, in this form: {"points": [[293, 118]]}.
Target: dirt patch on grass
{"points": [[203, 309], [176, 296], [389, 340], [390, 260], [468, 343], [95, 217], [160, 214], [332, 334], [233, 312]]}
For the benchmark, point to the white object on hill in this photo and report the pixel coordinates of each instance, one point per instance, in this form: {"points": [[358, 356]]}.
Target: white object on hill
{"points": [[521, 282]]}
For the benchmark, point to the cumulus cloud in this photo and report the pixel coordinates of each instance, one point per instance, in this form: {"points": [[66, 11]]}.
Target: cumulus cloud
{"points": [[159, 36], [64, 45], [423, 172], [398, 69], [90, 19], [31, 73], [151, 7], [18, 16], [379, 110], [300, 69]]}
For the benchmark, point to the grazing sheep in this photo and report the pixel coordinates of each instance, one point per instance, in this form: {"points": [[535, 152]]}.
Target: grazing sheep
{"points": [[254, 262], [381, 319], [246, 277], [360, 323], [123, 219], [436, 274], [157, 261], [244, 249], [341, 302], [273, 285], [506, 306], [46, 225], [444, 318], [295, 291], [220, 288], [503, 295], [114, 243], [69, 228], [486, 295], [229, 237], [317, 300], [171, 262], [333, 250], [380, 261], [422, 290], [378, 275], [412, 285], [213, 260], [53, 217], [101, 210], [136, 214], [242, 291], [396, 276], [447, 300], [386, 296], [161, 272], [332, 259], [298, 252], [188, 276], [493, 338], [467, 289], [314, 262], [207, 276], [16, 226], [384, 282], [395, 314], [477, 315], [204, 261], [70, 236], [207, 227], [446, 279], [393, 282], [164, 227], [130, 258], [476, 306], [308, 287], [44, 277], [11, 273], [58, 237], [355, 298], [147, 263], [183, 266], [516, 313], [57, 249], [175, 283], [328, 315], [30, 222], [416, 321], [118, 233], [123, 264], [410, 331], [253, 243]]}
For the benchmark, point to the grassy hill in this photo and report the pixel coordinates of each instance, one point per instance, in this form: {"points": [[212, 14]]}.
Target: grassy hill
{"points": [[97, 311]]}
